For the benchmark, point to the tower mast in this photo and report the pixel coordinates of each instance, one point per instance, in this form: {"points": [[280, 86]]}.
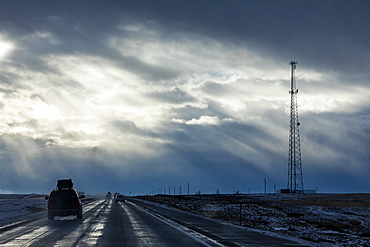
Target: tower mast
{"points": [[295, 178]]}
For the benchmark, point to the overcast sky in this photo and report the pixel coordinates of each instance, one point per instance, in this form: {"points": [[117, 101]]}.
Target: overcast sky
{"points": [[133, 96]]}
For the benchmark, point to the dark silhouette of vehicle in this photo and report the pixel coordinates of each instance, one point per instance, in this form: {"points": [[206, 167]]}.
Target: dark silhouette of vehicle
{"points": [[120, 197], [64, 200], [108, 196]]}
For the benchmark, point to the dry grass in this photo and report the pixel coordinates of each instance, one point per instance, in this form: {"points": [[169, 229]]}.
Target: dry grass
{"points": [[343, 219]]}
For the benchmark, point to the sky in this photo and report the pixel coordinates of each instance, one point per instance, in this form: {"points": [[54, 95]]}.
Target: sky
{"points": [[140, 97]]}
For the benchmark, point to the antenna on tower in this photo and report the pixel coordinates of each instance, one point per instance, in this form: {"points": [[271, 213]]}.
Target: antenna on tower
{"points": [[295, 178]]}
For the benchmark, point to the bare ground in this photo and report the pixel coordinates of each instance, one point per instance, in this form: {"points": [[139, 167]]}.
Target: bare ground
{"points": [[323, 219]]}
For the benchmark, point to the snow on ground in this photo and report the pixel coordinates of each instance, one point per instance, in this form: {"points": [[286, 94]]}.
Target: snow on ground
{"points": [[17, 207], [322, 219]]}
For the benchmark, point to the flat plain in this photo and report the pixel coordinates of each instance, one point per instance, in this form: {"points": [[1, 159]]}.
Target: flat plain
{"points": [[322, 219]]}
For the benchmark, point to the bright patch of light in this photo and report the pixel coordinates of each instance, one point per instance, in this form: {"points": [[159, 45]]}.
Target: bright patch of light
{"points": [[22, 130], [5, 48], [41, 110], [109, 91], [205, 120], [330, 98]]}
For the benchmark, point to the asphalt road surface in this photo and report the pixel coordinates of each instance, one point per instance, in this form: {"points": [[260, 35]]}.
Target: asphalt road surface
{"points": [[131, 223]]}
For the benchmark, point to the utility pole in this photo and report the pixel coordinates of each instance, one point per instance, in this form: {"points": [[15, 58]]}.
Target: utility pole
{"points": [[295, 178]]}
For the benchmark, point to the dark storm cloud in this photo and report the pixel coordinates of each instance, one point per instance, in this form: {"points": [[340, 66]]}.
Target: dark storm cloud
{"points": [[50, 34], [350, 153], [287, 28]]}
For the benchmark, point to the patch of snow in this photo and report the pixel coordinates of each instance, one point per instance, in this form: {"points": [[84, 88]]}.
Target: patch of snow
{"points": [[323, 220], [16, 207]]}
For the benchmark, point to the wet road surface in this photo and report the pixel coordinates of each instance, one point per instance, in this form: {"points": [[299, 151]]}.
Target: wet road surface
{"points": [[132, 223]]}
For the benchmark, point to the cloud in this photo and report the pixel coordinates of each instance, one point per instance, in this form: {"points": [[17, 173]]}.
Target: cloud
{"points": [[173, 96], [204, 120], [131, 88], [127, 127]]}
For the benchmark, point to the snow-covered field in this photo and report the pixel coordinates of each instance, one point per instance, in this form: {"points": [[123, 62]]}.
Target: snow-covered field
{"points": [[322, 219], [17, 207]]}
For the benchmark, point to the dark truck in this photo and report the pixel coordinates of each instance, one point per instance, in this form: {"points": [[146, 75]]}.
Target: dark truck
{"points": [[64, 200]]}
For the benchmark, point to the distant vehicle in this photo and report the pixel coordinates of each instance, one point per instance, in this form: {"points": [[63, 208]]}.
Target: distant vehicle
{"points": [[108, 196], [120, 197], [64, 200]]}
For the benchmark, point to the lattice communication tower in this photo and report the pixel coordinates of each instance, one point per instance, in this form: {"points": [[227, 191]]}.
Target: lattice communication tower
{"points": [[295, 178]]}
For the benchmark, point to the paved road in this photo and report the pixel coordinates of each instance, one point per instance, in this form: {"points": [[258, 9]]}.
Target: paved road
{"points": [[133, 223]]}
